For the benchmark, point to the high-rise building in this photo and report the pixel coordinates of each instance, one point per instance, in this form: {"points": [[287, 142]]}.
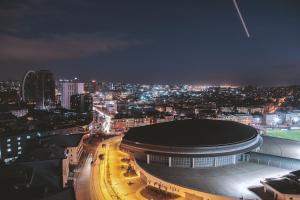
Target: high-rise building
{"points": [[82, 103], [69, 89], [46, 88], [91, 86], [38, 87]]}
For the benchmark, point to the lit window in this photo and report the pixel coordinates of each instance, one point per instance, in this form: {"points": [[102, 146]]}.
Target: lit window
{"points": [[8, 145], [9, 150], [19, 152], [19, 148], [8, 140], [19, 138], [19, 143], [28, 137]]}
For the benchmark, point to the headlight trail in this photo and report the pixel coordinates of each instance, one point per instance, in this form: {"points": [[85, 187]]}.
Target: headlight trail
{"points": [[241, 18]]}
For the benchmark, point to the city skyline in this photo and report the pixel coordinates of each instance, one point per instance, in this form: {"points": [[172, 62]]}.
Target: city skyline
{"points": [[137, 99], [193, 42]]}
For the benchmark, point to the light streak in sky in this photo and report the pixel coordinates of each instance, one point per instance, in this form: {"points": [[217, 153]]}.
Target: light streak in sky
{"points": [[241, 18]]}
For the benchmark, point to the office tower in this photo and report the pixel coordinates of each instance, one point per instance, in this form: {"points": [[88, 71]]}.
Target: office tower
{"points": [[69, 89]]}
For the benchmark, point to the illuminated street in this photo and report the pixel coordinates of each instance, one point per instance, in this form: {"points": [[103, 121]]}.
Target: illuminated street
{"points": [[104, 179], [82, 184], [112, 184], [106, 125], [126, 187]]}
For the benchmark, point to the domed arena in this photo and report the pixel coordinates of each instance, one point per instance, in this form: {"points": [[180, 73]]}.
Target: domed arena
{"points": [[192, 143]]}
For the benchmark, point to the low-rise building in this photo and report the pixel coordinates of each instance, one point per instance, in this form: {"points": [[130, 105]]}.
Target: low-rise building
{"points": [[40, 179], [242, 110], [275, 119], [285, 187], [228, 109], [241, 118], [19, 112], [123, 124], [73, 145], [256, 110], [293, 118], [12, 145]]}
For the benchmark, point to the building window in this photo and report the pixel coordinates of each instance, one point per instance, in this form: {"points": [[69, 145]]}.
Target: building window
{"points": [[19, 152], [159, 159], [19, 143], [19, 148], [204, 162], [19, 138], [8, 140], [9, 150], [224, 160], [8, 145], [28, 136], [181, 162]]}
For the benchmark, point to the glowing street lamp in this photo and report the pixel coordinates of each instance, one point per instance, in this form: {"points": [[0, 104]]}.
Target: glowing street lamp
{"points": [[257, 120], [276, 120], [295, 119]]}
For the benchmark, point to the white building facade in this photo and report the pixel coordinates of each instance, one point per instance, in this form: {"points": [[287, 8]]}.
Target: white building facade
{"points": [[69, 89]]}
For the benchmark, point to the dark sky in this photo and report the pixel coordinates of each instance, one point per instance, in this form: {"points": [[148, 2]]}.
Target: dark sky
{"points": [[157, 41]]}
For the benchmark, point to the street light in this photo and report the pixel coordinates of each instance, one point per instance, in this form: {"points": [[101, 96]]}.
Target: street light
{"points": [[276, 120], [295, 119]]}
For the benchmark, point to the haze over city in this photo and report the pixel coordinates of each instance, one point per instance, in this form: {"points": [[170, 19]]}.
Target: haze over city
{"points": [[150, 42]]}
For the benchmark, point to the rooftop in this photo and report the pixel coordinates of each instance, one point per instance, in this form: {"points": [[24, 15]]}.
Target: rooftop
{"points": [[234, 181], [192, 133], [280, 147], [288, 184], [50, 148], [31, 180], [71, 140]]}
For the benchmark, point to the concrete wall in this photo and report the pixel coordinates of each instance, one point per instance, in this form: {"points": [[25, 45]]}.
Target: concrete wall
{"points": [[173, 188]]}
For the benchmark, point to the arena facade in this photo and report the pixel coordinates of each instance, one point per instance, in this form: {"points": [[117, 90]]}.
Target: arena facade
{"points": [[209, 159], [192, 143]]}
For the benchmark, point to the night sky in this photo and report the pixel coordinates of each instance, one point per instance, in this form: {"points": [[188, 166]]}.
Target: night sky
{"points": [[157, 41]]}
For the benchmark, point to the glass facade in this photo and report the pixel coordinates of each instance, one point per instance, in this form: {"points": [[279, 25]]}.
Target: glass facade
{"points": [[181, 162], [199, 162], [224, 160], [159, 159], [204, 162], [275, 161]]}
